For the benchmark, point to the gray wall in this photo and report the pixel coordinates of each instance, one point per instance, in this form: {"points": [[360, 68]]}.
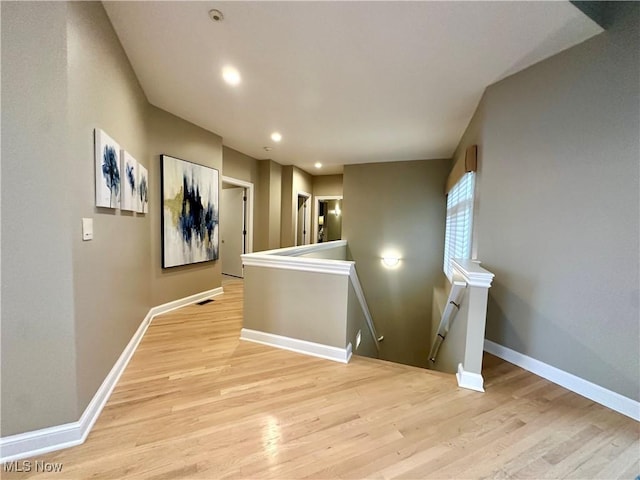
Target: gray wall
{"points": [[39, 388], [239, 166], [69, 307], [302, 305], [558, 207], [287, 235], [327, 185], [399, 205], [268, 205], [294, 180], [243, 167], [173, 136], [111, 272]]}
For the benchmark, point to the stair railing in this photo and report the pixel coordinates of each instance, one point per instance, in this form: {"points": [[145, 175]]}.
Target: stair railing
{"points": [[355, 282], [450, 310]]}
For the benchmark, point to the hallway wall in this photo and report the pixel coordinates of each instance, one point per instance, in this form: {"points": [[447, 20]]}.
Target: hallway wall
{"points": [[70, 307], [558, 218]]}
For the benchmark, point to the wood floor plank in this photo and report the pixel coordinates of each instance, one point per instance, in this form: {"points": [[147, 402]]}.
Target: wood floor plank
{"points": [[196, 402]]}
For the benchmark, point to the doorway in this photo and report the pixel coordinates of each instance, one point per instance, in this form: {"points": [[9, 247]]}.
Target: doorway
{"points": [[236, 220], [303, 219], [327, 222]]}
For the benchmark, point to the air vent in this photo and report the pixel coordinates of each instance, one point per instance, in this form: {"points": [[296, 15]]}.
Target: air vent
{"points": [[204, 302]]}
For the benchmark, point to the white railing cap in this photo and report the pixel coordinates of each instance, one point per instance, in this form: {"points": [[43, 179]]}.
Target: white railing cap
{"points": [[472, 272], [301, 249], [289, 259]]}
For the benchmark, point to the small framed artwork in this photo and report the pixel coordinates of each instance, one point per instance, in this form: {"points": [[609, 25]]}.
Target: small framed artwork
{"points": [[129, 200], [143, 190], [108, 178], [189, 212]]}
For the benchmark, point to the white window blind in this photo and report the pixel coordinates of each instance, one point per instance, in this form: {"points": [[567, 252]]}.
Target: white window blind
{"points": [[457, 240]]}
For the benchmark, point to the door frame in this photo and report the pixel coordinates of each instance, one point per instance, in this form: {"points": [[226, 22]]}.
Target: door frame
{"points": [[316, 206], [249, 220], [308, 196]]}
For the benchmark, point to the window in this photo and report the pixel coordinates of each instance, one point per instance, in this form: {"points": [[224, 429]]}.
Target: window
{"points": [[457, 239]]}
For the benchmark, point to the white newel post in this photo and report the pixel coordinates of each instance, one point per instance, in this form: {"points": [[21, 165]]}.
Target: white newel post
{"points": [[475, 308]]}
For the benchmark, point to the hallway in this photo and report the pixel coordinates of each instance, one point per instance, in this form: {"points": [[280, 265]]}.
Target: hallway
{"points": [[195, 402]]}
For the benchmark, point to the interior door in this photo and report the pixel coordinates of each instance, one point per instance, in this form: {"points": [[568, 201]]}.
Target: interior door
{"points": [[232, 239], [303, 219]]}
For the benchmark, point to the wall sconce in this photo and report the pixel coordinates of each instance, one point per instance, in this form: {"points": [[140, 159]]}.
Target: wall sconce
{"points": [[321, 220], [390, 260]]}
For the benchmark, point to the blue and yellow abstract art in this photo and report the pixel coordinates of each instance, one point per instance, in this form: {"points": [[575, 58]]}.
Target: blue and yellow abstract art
{"points": [[189, 212]]}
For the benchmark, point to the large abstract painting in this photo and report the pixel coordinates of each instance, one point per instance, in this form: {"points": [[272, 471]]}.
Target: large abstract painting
{"points": [[189, 212], [129, 200], [108, 177], [143, 190]]}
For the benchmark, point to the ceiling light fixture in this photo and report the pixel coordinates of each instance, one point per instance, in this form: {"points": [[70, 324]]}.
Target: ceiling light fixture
{"points": [[231, 75], [318, 165], [276, 137]]}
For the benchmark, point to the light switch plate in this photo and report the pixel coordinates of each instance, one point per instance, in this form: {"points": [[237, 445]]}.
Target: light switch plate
{"points": [[87, 229]]}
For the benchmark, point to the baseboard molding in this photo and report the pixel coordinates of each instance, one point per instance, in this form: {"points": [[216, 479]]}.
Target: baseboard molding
{"points": [[598, 394], [45, 440], [469, 380], [181, 302], [342, 355]]}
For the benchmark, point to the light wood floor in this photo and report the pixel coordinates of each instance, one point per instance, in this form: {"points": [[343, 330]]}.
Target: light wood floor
{"points": [[195, 402]]}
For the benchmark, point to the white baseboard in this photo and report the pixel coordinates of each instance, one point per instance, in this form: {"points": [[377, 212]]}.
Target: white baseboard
{"points": [[601, 395], [181, 302], [469, 380], [39, 442], [342, 355]]}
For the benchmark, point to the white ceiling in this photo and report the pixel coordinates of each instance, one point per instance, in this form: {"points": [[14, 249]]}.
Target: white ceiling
{"points": [[344, 82]]}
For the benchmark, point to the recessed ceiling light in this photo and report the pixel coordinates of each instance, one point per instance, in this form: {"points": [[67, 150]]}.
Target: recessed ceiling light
{"points": [[276, 137], [231, 75], [318, 165]]}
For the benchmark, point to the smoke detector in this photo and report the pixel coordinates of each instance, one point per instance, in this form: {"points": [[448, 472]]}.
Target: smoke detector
{"points": [[216, 15]]}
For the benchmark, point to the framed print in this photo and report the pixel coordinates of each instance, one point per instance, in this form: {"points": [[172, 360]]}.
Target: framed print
{"points": [[143, 189], [108, 178], [189, 212], [129, 200]]}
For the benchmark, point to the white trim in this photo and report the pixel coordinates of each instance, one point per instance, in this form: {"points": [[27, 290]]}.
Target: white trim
{"points": [[181, 302], [601, 395], [303, 249], [319, 265], [472, 272], [249, 186], [342, 355], [289, 259], [355, 282], [308, 196], [316, 206], [38, 442], [469, 380]]}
